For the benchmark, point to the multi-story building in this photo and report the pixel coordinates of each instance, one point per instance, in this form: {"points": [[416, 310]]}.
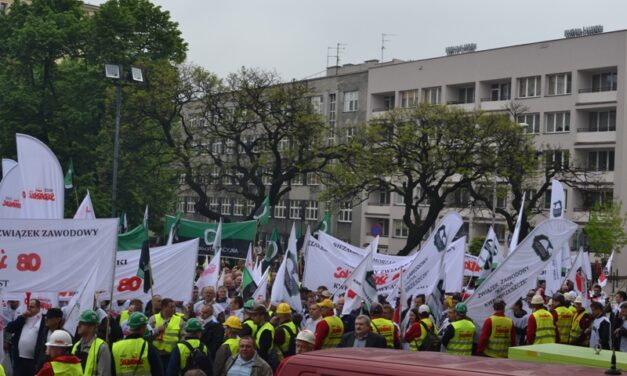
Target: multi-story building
{"points": [[88, 8]]}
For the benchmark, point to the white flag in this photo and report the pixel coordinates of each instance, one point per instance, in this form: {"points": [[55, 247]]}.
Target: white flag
{"points": [[454, 266], [514, 241], [257, 273], [552, 274], [586, 265], [286, 287], [7, 164], [490, 256], [558, 200], [607, 270], [211, 274], [260, 295], [360, 286], [81, 301], [249, 259], [518, 272], [42, 179], [11, 194], [86, 210]]}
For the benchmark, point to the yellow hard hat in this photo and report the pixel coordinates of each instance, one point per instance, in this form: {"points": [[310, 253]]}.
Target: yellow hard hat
{"points": [[233, 322], [283, 308]]}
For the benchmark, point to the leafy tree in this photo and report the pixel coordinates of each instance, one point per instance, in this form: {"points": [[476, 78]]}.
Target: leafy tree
{"points": [[606, 229], [425, 155], [475, 245]]}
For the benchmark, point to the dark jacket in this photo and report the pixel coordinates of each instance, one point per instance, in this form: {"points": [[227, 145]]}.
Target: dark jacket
{"points": [[372, 340], [15, 327], [212, 337], [260, 367]]}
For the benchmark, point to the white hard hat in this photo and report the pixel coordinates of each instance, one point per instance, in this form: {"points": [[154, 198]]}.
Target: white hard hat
{"points": [[307, 336], [60, 338], [424, 309], [537, 299]]}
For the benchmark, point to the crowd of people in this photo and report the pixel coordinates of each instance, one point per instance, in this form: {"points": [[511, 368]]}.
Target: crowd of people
{"points": [[218, 333]]}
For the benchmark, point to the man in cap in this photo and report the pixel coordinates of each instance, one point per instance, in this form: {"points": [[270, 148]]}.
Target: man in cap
{"points": [[459, 335], [249, 328], [230, 347], [61, 362], [581, 322], [330, 329], [599, 331], [53, 319], [541, 325], [184, 349], [135, 355], [305, 341], [264, 340], [384, 327], [285, 331], [247, 361], [498, 333], [92, 351], [563, 317]]}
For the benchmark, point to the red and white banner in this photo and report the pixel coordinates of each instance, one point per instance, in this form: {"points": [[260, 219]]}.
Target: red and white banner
{"points": [[42, 179], [286, 286], [11, 194], [86, 209], [471, 266], [454, 266], [7, 164], [173, 268], [46, 255]]}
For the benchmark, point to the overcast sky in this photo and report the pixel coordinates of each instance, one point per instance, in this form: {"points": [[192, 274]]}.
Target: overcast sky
{"points": [[292, 36]]}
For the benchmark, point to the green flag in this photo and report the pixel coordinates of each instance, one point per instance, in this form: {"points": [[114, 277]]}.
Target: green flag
{"points": [[273, 249], [248, 285], [67, 180], [325, 224], [262, 214], [133, 239]]}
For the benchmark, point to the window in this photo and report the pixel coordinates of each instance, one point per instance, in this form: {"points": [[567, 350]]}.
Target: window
{"points": [[604, 81], [431, 95], [558, 84], [332, 109], [215, 171], [400, 229], [311, 211], [388, 102], [313, 179], [500, 92], [226, 206], [266, 177], [601, 160], [295, 209], [284, 144], [346, 213], [190, 205], [350, 132], [182, 179], [409, 98], [214, 204], [592, 198], [557, 122], [383, 225], [316, 104], [298, 179], [557, 159], [229, 147], [547, 199], [529, 87], [251, 206], [238, 207], [351, 101], [216, 147], [383, 198], [399, 199], [602, 121], [3, 7], [532, 121], [466, 95], [280, 209]]}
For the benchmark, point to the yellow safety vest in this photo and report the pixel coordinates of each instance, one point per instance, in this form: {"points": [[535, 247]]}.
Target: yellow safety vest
{"points": [[185, 353], [576, 331], [170, 336], [2, 373], [127, 357], [266, 326], [233, 344], [124, 315], [91, 365], [564, 323], [417, 342], [66, 369], [385, 328], [500, 337], [572, 309], [336, 330], [253, 327], [285, 346], [461, 343], [545, 329]]}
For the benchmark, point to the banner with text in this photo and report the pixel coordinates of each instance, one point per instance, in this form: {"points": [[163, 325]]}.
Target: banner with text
{"points": [[11, 189]]}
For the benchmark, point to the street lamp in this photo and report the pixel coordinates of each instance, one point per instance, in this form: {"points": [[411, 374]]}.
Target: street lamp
{"points": [[115, 72]]}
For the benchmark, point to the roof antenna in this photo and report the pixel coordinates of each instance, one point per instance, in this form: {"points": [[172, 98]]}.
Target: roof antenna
{"points": [[339, 47], [383, 40]]}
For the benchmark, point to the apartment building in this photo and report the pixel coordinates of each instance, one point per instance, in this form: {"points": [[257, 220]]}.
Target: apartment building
{"points": [[573, 90], [88, 8]]}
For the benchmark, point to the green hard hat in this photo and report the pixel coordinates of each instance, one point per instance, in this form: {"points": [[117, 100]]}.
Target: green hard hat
{"points": [[193, 325], [249, 305], [137, 319], [461, 308], [89, 317]]}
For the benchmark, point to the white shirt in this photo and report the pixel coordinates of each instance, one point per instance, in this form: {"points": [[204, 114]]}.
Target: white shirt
{"points": [[310, 324], [198, 307], [28, 338]]}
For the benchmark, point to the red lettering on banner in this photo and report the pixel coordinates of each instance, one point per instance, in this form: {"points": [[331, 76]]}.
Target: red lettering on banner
{"points": [[3, 259], [341, 273], [12, 203], [129, 284], [381, 279], [472, 266], [28, 262], [43, 195]]}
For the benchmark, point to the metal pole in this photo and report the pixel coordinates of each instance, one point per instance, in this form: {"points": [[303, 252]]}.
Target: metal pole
{"points": [[116, 147], [494, 197]]}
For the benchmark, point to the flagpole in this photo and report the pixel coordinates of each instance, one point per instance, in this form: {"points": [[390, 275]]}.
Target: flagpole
{"points": [[115, 254], [75, 195]]}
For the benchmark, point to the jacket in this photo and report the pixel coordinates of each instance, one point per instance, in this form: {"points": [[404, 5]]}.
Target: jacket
{"points": [[15, 327], [372, 340], [212, 336], [260, 367]]}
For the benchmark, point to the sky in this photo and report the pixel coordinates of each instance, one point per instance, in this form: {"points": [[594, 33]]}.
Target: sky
{"points": [[292, 37]]}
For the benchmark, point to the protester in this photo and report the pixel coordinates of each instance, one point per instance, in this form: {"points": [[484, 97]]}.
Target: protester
{"points": [[29, 337], [184, 350], [212, 330], [620, 331], [285, 332], [314, 317], [458, 338], [247, 362], [581, 322], [362, 336], [61, 362], [541, 324], [236, 307], [563, 318], [330, 329], [520, 318], [230, 347], [419, 324], [598, 295], [208, 298], [384, 327], [599, 331], [154, 306], [134, 354], [264, 340], [497, 333], [167, 330], [249, 328], [92, 351], [347, 319]]}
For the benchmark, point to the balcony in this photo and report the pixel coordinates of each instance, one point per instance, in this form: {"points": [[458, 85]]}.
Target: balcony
{"points": [[462, 106], [377, 209], [596, 95], [488, 104], [592, 136]]}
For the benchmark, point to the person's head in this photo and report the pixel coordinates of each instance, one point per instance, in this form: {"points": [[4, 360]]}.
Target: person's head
{"points": [[88, 324], [194, 293], [620, 297], [34, 306], [238, 281], [168, 307], [193, 328], [450, 313], [623, 310], [498, 305], [58, 344], [156, 303], [564, 289], [542, 284], [456, 298], [246, 348], [194, 372], [376, 310], [559, 299], [578, 304], [284, 313], [596, 290], [222, 293], [537, 302], [326, 307], [135, 305], [258, 314], [419, 300], [414, 315], [206, 311], [596, 308], [54, 318], [305, 341], [137, 322], [236, 303], [530, 294], [232, 326], [208, 294], [339, 305], [424, 311], [518, 306], [14, 304], [460, 311], [388, 312], [314, 311], [228, 282], [362, 325]]}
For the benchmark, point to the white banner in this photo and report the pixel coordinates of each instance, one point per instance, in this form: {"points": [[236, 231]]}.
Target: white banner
{"points": [[454, 266], [11, 194], [86, 210], [7, 164], [83, 299], [54, 255], [173, 268], [360, 286], [558, 200], [260, 295], [491, 254], [286, 286], [514, 241], [211, 274], [518, 272], [471, 266], [42, 179]]}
